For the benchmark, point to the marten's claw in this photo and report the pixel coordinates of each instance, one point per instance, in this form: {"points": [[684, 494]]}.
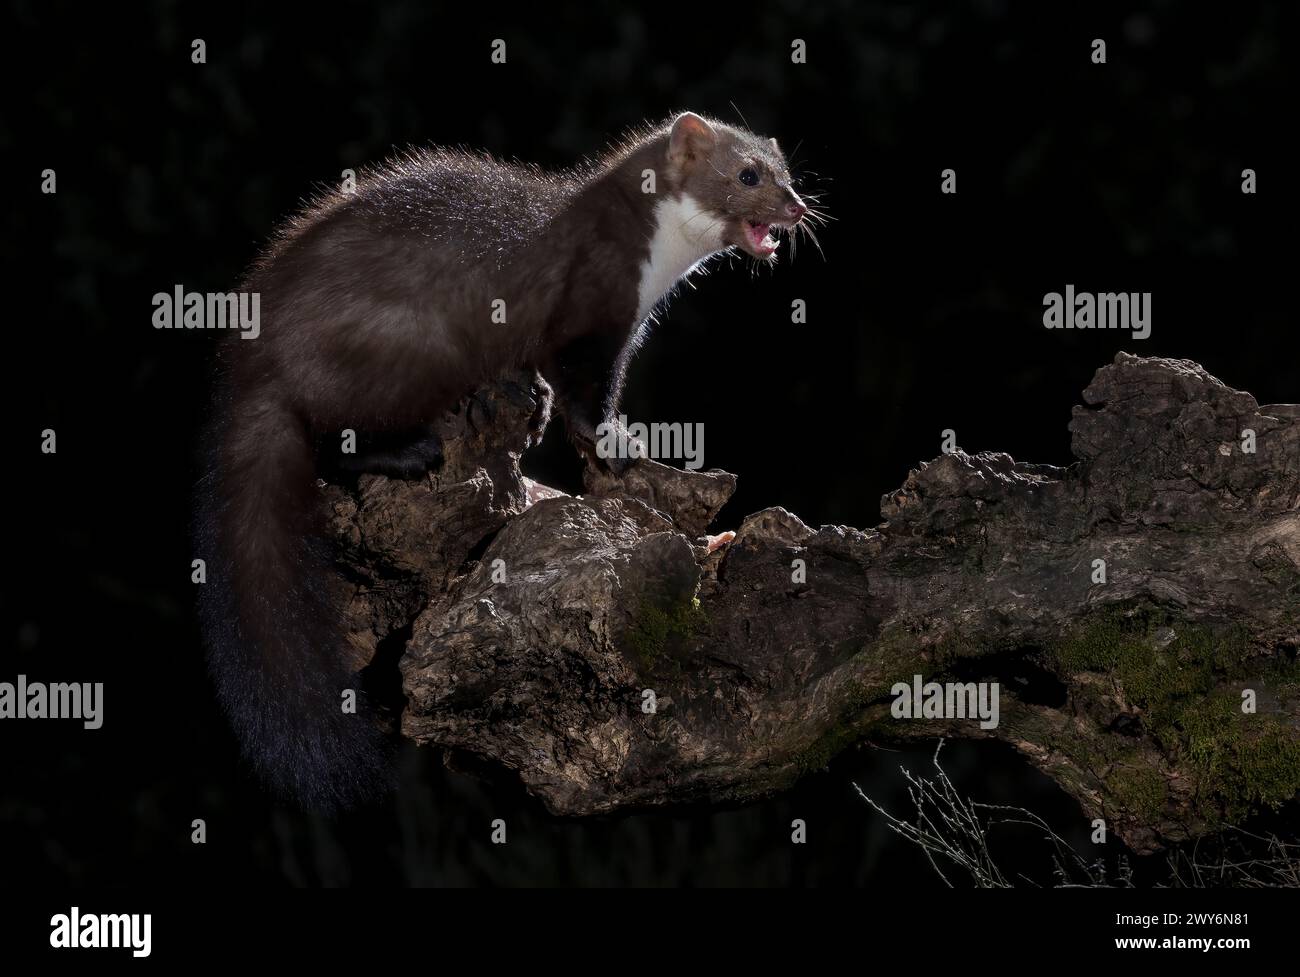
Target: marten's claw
{"points": [[544, 397]]}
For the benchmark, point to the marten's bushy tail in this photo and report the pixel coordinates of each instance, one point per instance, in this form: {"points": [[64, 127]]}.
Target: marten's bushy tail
{"points": [[276, 648]]}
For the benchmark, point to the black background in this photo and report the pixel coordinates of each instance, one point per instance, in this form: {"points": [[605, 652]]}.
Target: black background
{"points": [[924, 314]]}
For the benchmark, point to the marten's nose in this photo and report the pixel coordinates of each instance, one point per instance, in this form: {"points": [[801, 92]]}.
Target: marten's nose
{"points": [[795, 209]]}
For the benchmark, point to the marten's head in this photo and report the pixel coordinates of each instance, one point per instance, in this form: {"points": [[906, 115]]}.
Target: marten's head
{"points": [[739, 180]]}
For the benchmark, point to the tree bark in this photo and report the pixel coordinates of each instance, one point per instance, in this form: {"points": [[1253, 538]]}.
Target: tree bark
{"points": [[537, 630]]}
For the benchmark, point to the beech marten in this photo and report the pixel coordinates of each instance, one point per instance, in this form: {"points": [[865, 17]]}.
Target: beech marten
{"points": [[377, 316]]}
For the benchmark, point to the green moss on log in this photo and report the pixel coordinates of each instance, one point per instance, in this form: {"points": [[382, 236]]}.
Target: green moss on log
{"points": [[1186, 682], [655, 633]]}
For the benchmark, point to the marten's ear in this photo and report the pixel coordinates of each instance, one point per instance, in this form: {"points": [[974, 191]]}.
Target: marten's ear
{"points": [[691, 138], [776, 148]]}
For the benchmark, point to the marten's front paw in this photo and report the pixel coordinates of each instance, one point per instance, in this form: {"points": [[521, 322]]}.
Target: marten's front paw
{"points": [[600, 454], [617, 466], [617, 451]]}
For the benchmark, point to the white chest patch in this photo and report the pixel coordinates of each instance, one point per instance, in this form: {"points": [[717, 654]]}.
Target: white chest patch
{"points": [[685, 234]]}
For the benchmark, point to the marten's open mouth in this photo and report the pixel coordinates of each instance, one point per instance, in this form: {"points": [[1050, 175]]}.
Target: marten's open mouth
{"points": [[761, 238]]}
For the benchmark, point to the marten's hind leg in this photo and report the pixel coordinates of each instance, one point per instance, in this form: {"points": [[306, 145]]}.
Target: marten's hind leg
{"points": [[398, 454]]}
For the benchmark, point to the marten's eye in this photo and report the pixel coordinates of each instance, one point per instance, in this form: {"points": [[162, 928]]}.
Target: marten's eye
{"points": [[749, 177]]}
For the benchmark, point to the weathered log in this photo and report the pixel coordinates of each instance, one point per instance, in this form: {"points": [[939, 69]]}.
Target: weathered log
{"points": [[540, 624]]}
